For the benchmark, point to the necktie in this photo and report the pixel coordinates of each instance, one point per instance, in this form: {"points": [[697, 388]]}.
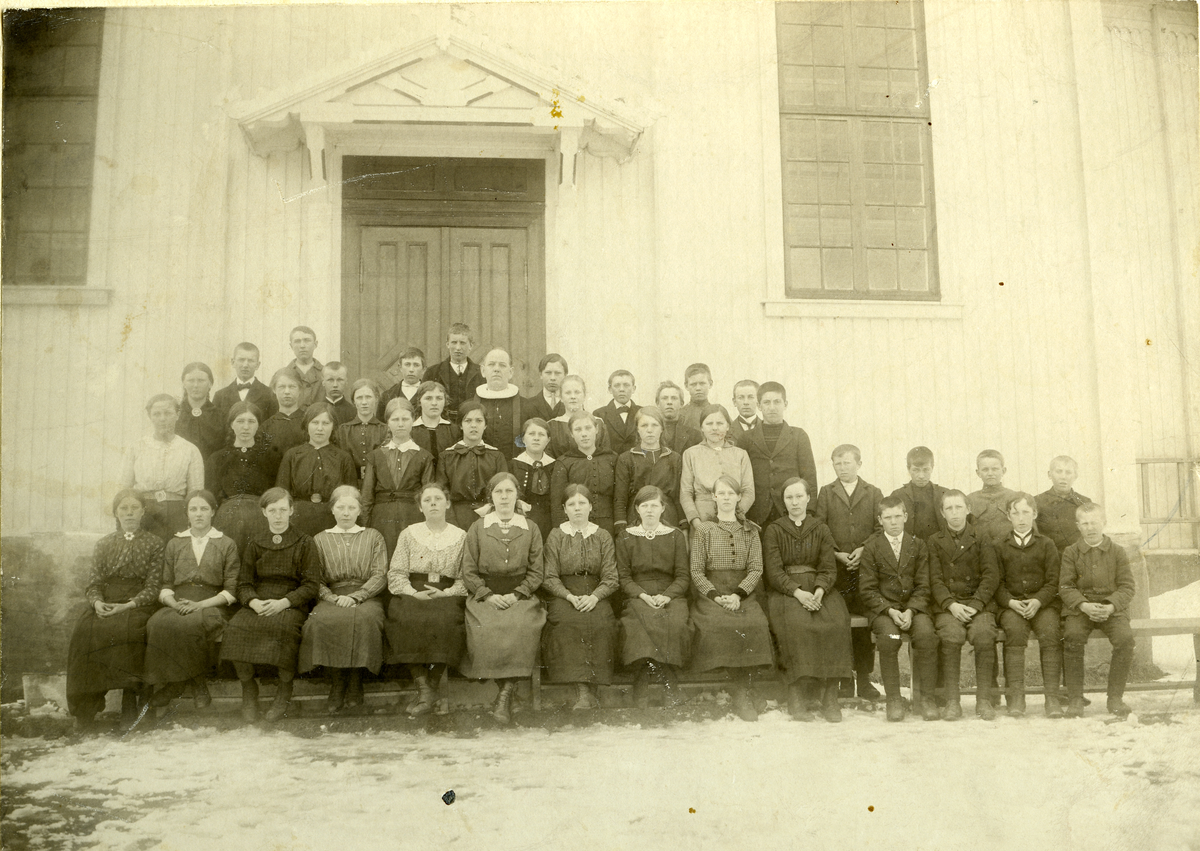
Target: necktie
{"points": [[895, 548], [540, 481]]}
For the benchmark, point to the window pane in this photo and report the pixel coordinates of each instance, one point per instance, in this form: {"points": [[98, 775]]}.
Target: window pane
{"points": [[799, 139], [902, 49], [802, 178], [803, 225], [830, 86], [881, 269], [913, 272], [899, 13], [873, 88], [805, 265], [877, 141], [910, 185], [835, 183], [880, 228], [827, 46], [871, 47], [907, 142], [795, 45], [835, 225], [838, 268], [904, 89], [911, 227], [834, 141], [796, 86], [878, 186]]}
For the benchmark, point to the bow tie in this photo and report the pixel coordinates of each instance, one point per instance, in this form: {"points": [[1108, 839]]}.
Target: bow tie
{"points": [[539, 480], [245, 386], [622, 409], [470, 450]]}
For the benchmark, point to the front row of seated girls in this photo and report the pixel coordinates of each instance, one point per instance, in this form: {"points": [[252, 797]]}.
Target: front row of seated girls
{"points": [[493, 600]]}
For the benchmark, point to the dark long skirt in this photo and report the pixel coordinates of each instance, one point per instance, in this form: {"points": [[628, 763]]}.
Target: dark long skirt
{"points": [[426, 632], [165, 518], [393, 517], [539, 513], [462, 514], [726, 639], [579, 647], [241, 519], [338, 637], [312, 517], [662, 635], [811, 644], [502, 643], [180, 647], [253, 638], [107, 653]]}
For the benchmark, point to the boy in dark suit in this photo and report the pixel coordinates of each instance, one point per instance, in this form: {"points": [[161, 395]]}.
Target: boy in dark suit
{"points": [[676, 434], [895, 592], [303, 341], [244, 387], [458, 373], [922, 498], [334, 377], [1028, 600], [548, 404], [412, 367], [1057, 506], [778, 452], [849, 506], [697, 378], [620, 414], [745, 402], [963, 577], [1096, 588]]}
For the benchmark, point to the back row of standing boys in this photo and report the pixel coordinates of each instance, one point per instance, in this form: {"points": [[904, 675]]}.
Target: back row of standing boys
{"points": [[945, 567]]}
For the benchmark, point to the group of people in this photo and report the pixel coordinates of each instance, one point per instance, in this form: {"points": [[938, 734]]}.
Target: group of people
{"points": [[449, 523]]}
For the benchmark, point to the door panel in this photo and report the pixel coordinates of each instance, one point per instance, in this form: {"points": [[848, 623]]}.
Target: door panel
{"points": [[413, 282]]}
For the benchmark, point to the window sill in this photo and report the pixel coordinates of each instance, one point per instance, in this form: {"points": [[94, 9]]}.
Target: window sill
{"points": [[864, 309], [54, 296]]}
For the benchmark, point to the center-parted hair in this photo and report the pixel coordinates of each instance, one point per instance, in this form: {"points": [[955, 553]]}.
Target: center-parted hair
{"points": [[576, 489], [197, 366], [1019, 497], [273, 495], [343, 491], [397, 404], [315, 410], [647, 493], [203, 494], [794, 480]]}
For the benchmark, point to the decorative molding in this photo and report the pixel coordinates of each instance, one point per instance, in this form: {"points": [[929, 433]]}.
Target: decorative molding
{"points": [[864, 309], [443, 79], [54, 296]]}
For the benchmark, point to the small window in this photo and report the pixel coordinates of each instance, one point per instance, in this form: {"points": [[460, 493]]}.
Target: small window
{"points": [[51, 83], [855, 141]]}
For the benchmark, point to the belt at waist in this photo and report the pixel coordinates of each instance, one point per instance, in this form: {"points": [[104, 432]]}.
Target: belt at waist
{"points": [[162, 496], [798, 569], [394, 496]]}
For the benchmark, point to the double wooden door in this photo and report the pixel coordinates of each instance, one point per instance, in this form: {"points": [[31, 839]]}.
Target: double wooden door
{"points": [[405, 284]]}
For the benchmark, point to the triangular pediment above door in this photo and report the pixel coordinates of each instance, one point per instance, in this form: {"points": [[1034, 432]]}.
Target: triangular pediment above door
{"points": [[445, 79]]}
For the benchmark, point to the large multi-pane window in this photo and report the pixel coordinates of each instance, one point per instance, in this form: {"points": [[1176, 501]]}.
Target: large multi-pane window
{"points": [[855, 139], [51, 81]]}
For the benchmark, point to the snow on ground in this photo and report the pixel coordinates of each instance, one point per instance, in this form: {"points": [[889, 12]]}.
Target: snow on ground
{"points": [[1175, 654], [864, 784]]}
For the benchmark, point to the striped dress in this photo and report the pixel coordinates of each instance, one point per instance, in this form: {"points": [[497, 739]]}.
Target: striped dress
{"points": [[354, 565]]}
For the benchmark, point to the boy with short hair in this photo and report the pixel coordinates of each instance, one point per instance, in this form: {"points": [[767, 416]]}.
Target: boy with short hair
{"points": [[412, 367], [697, 378], [988, 504], [334, 377], [849, 506], [1057, 506], [894, 591], [745, 402], [303, 341], [1028, 600], [457, 373], [777, 453], [620, 414], [963, 577], [676, 435], [548, 404], [1096, 586], [244, 387], [922, 498]]}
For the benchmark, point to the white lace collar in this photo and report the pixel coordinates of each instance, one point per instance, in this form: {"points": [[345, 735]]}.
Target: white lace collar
{"points": [[525, 459], [638, 531], [485, 392], [406, 446], [429, 539], [493, 519], [338, 530], [421, 422], [570, 531], [213, 532]]}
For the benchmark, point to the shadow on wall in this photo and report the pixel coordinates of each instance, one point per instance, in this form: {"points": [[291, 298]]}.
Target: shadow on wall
{"points": [[42, 598]]}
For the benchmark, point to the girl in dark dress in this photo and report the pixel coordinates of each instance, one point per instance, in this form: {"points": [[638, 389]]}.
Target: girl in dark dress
{"points": [[808, 616], [467, 467], [238, 474], [502, 569], [432, 431], [199, 422], [312, 470], [652, 564], [108, 645], [278, 579], [395, 474], [425, 628], [283, 429], [648, 463], [731, 629], [580, 638], [574, 398], [365, 432], [199, 583], [344, 633], [532, 469], [587, 465]]}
